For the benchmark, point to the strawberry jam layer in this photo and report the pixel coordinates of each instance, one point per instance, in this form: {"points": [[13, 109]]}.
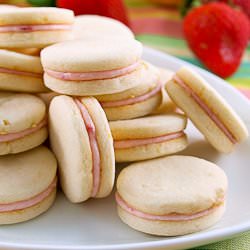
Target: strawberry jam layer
{"points": [[18, 135], [96, 159], [35, 27], [96, 75], [9, 207], [133, 100], [120, 144], [22, 73], [205, 108], [167, 217]]}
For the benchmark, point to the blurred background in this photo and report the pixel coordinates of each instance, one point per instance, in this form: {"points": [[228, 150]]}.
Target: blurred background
{"points": [[160, 24]]}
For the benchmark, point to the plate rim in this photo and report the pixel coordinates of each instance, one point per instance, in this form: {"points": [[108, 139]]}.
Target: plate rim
{"points": [[177, 242]]}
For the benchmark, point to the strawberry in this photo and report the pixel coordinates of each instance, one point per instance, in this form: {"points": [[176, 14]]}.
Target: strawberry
{"points": [[114, 9], [218, 36], [244, 5], [110, 8], [78, 6]]}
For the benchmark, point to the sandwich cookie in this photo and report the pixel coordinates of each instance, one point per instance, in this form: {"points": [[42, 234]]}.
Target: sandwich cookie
{"points": [[7, 6], [93, 67], [148, 137], [166, 104], [135, 102], [20, 72], [34, 27], [95, 27], [22, 122], [209, 112], [47, 97], [81, 139], [28, 51], [171, 196], [28, 185]]}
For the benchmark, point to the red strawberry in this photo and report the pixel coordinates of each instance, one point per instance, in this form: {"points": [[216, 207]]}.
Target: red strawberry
{"points": [[110, 8], [115, 9], [218, 35], [243, 4], [79, 6]]}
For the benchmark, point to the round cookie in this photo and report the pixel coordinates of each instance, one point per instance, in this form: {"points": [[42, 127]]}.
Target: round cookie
{"points": [[28, 185], [20, 72], [93, 67], [97, 27], [28, 51], [81, 139], [135, 102], [166, 104], [209, 112], [47, 97], [23, 123], [148, 137], [34, 27], [171, 196], [7, 6]]}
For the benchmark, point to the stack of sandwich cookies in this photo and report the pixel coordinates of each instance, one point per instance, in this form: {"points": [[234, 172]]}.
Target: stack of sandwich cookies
{"points": [[135, 102], [97, 27], [27, 183], [81, 139], [93, 67], [209, 112], [148, 137], [171, 196], [34, 27], [20, 72], [23, 122]]}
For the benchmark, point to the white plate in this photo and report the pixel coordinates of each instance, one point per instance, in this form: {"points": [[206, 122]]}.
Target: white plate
{"points": [[95, 224]]}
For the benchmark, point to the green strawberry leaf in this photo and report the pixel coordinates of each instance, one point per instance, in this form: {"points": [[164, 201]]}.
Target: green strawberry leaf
{"points": [[40, 3]]}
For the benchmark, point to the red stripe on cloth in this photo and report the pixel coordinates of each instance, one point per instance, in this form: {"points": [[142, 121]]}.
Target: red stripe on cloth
{"points": [[156, 26], [245, 92], [153, 10]]}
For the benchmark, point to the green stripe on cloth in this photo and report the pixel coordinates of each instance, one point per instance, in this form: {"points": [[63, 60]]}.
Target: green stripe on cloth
{"points": [[242, 242], [161, 40], [138, 3], [240, 82]]}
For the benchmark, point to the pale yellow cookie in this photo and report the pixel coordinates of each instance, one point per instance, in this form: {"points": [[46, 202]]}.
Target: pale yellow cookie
{"points": [[34, 27], [166, 105], [23, 122], [134, 102], [209, 112], [171, 196], [93, 67], [97, 27], [20, 72], [85, 170], [148, 137], [28, 184]]}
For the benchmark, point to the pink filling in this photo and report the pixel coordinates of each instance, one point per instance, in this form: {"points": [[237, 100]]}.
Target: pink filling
{"points": [[140, 142], [14, 136], [132, 100], [30, 202], [90, 126], [205, 108], [31, 28], [167, 217], [97, 75], [17, 72]]}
